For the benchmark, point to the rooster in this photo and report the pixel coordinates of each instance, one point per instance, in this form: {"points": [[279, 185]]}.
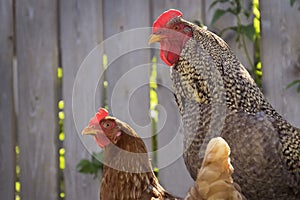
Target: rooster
{"points": [[128, 173], [216, 95]]}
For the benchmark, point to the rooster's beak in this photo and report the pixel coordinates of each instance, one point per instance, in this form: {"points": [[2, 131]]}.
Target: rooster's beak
{"points": [[89, 131], [155, 38]]}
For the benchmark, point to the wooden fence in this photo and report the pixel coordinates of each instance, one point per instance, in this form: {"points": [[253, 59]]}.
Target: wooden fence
{"points": [[39, 36]]}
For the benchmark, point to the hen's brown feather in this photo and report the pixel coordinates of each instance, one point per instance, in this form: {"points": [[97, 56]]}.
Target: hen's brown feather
{"points": [[127, 171]]}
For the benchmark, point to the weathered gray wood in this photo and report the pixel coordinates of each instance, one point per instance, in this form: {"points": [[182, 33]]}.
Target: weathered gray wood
{"points": [[36, 33], [81, 31], [226, 21], [173, 174], [129, 63], [192, 9], [280, 53], [7, 120]]}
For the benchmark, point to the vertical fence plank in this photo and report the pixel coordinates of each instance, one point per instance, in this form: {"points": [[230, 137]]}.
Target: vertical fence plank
{"points": [[7, 122], [173, 173], [81, 31], [226, 21], [36, 32], [280, 54], [129, 63]]}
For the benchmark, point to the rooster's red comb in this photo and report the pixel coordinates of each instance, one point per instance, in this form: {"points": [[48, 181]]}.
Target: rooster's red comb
{"points": [[101, 114], [165, 17]]}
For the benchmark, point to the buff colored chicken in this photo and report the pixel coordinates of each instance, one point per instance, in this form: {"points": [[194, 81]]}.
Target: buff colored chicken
{"points": [[214, 179]]}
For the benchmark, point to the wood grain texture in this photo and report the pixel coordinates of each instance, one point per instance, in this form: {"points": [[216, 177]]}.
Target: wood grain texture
{"points": [[7, 120], [78, 28], [280, 54], [36, 32], [129, 63], [80, 33], [173, 174]]}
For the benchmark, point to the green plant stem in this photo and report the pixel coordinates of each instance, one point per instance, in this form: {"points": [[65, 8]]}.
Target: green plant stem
{"points": [[244, 44], [246, 51]]}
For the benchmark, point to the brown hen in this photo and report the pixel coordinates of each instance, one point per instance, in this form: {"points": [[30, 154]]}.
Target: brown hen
{"points": [[128, 173]]}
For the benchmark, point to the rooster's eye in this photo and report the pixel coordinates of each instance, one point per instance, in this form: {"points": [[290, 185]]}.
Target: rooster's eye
{"points": [[176, 28]]}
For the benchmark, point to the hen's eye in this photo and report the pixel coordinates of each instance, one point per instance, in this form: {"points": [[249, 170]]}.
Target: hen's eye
{"points": [[106, 125]]}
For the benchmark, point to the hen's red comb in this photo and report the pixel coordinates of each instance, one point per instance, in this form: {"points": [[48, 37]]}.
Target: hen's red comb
{"points": [[102, 113], [165, 17]]}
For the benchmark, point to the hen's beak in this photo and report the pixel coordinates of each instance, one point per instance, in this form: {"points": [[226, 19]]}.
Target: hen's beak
{"points": [[89, 131], [155, 38]]}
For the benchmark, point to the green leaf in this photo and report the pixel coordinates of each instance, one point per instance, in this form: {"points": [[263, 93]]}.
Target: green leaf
{"points": [[86, 167], [93, 166], [17, 149], [292, 2], [61, 104], [104, 61], [61, 136], [59, 72], [232, 11], [258, 73], [217, 15], [97, 158], [249, 31], [238, 7], [156, 170], [61, 115], [226, 29], [293, 83], [18, 186], [247, 13], [234, 28], [198, 23], [81, 166], [215, 2]]}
